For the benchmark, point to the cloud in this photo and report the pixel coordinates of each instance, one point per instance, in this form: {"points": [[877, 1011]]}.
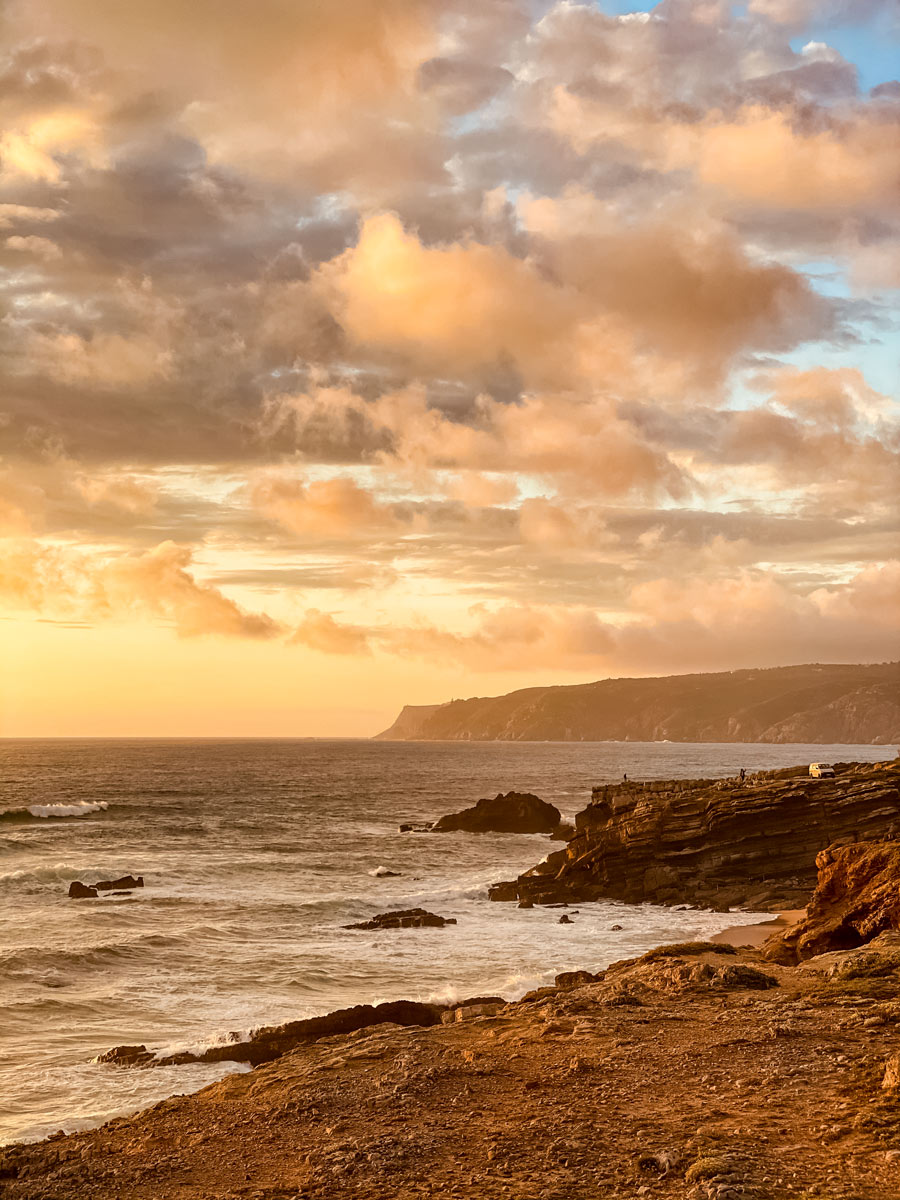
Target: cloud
{"points": [[61, 583], [325, 508]]}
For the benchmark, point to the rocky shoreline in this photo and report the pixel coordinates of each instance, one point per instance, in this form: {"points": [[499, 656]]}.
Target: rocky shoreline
{"points": [[694, 1071], [721, 844], [698, 1070]]}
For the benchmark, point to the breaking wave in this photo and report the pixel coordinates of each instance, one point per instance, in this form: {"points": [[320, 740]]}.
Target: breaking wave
{"points": [[41, 812]]}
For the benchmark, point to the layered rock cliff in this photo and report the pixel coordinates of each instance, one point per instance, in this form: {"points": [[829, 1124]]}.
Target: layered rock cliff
{"points": [[834, 704], [719, 843]]}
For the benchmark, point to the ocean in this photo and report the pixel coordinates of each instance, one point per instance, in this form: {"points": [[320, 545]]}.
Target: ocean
{"points": [[255, 854]]}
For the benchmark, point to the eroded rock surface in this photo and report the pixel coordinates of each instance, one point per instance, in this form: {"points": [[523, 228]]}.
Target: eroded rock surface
{"points": [[719, 843], [857, 897]]}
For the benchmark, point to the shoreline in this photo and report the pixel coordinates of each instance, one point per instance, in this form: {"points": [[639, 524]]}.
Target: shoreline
{"points": [[755, 936], [673, 1070]]}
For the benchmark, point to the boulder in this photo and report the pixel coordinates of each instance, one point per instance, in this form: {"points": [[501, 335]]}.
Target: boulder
{"points": [[81, 891], [512, 812], [740, 975], [857, 897], [407, 918], [126, 1056], [573, 979]]}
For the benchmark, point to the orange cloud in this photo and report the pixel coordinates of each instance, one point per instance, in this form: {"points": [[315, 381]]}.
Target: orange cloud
{"points": [[336, 507], [61, 583]]}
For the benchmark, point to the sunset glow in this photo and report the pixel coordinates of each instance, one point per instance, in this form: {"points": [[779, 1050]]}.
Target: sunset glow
{"points": [[362, 354]]}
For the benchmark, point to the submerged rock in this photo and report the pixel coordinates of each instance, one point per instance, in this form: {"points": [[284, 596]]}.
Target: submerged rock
{"points": [[407, 918], [123, 882], [118, 887], [512, 812]]}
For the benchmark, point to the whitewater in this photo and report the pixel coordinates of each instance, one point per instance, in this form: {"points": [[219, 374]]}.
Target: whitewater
{"points": [[255, 854]]}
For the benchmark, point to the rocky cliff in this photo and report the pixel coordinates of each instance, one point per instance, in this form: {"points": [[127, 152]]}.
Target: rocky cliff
{"points": [[714, 842], [814, 703], [857, 898]]}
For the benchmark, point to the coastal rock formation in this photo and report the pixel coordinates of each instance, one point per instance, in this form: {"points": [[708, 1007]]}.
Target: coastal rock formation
{"points": [[123, 883], [81, 891], [407, 918], [118, 887], [718, 843], [857, 897], [830, 704], [512, 812], [273, 1041], [676, 1075]]}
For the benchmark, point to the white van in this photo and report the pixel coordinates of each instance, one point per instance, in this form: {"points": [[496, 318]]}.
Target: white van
{"points": [[821, 770]]}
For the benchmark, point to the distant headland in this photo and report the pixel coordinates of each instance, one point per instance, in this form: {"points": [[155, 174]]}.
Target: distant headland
{"points": [[813, 703]]}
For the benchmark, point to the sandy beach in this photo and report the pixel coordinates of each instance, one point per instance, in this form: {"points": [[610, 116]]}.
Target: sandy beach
{"points": [[756, 935]]}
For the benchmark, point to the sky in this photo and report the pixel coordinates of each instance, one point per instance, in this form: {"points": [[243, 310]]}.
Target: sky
{"points": [[357, 355]]}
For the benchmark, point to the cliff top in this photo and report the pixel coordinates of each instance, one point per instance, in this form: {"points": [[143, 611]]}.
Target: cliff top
{"points": [[816, 703]]}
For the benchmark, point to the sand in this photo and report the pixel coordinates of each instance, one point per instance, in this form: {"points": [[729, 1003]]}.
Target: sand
{"points": [[755, 935]]}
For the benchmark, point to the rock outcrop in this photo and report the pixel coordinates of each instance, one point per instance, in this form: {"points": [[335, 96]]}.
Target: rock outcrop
{"points": [[81, 891], [857, 897], [273, 1041], [118, 887], [123, 883], [512, 812], [826, 703], [407, 918], [719, 843]]}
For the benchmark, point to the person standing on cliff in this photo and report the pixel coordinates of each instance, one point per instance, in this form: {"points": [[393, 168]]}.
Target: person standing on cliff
{"points": [[743, 774]]}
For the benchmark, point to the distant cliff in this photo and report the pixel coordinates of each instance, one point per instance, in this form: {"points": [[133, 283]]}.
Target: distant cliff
{"points": [[814, 703], [412, 718]]}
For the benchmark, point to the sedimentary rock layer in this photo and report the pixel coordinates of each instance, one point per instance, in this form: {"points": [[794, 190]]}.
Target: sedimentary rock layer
{"points": [[714, 842]]}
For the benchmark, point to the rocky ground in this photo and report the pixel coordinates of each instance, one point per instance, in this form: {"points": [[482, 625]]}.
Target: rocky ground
{"points": [[692, 1072]]}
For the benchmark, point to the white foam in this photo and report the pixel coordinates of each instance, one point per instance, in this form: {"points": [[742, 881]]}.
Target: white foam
{"points": [[380, 872], [83, 808]]}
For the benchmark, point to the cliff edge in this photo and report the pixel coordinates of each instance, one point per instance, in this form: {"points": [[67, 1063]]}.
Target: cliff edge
{"points": [[718, 843]]}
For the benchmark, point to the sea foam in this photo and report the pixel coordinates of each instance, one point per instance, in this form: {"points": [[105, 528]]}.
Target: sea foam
{"points": [[83, 808]]}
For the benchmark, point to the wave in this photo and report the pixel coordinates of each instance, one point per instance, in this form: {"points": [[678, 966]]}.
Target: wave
{"points": [[43, 812], [40, 878]]}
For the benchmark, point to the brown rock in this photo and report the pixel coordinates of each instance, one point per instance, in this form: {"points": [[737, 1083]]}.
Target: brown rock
{"points": [[714, 842], [80, 891], [857, 897], [124, 881], [407, 918], [513, 812]]}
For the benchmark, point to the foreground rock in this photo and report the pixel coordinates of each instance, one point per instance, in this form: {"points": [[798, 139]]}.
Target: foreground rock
{"points": [[407, 918], [683, 1075], [512, 812], [718, 843], [857, 897]]}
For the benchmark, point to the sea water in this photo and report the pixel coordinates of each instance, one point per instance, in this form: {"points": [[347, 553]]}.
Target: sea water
{"points": [[255, 855]]}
